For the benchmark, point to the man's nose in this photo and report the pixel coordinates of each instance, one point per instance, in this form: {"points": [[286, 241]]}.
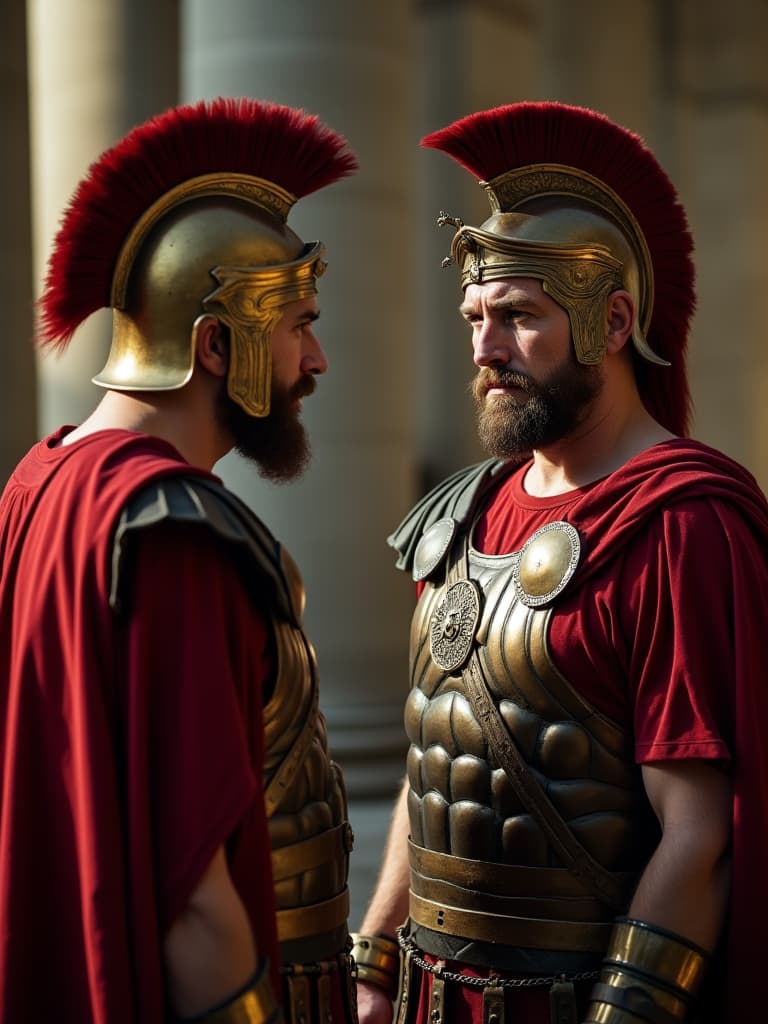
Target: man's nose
{"points": [[489, 346], [313, 360]]}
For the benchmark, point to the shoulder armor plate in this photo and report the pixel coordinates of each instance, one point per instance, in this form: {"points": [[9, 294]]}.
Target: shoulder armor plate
{"points": [[451, 504], [191, 499]]}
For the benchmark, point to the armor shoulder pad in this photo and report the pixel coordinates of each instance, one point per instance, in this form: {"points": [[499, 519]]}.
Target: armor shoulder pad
{"points": [[191, 499], [450, 505]]}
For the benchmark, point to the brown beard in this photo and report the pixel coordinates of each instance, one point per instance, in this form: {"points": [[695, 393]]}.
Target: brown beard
{"points": [[277, 443], [509, 428]]}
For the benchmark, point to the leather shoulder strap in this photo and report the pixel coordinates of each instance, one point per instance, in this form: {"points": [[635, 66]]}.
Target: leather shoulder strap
{"points": [[197, 500], [600, 882]]}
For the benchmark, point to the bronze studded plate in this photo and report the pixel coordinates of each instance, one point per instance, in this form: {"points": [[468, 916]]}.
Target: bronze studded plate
{"points": [[546, 563], [454, 624]]}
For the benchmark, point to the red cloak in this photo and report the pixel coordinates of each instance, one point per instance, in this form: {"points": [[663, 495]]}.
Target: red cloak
{"points": [[131, 747]]}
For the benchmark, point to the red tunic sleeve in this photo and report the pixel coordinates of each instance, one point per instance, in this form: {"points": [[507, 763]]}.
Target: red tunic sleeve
{"points": [[679, 622]]}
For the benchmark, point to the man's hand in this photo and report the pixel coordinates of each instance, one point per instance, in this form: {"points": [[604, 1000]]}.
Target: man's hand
{"points": [[373, 1004]]}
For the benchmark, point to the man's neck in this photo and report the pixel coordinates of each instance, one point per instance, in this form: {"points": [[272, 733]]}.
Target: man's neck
{"points": [[591, 452], [165, 415]]}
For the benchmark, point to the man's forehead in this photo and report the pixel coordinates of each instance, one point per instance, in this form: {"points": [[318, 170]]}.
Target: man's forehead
{"points": [[299, 308], [505, 291]]}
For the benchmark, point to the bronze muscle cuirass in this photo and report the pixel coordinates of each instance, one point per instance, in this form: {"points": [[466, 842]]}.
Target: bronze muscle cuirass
{"points": [[306, 802], [483, 870]]}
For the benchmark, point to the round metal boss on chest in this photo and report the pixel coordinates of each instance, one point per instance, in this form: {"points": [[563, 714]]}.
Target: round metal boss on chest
{"points": [[454, 624], [547, 561]]}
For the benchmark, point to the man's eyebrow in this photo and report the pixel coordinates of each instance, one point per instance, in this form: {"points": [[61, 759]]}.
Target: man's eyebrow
{"points": [[505, 301], [308, 317], [512, 299]]}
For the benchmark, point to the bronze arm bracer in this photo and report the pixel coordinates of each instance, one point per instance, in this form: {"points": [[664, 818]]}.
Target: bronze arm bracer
{"points": [[377, 961], [649, 975], [255, 1004]]}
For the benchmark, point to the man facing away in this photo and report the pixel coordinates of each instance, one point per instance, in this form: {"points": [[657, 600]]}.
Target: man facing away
{"points": [[581, 831], [173, 834]]}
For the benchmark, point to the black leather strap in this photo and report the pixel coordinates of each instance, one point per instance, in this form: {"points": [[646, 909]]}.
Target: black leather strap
{"points": [[635, 1001]]}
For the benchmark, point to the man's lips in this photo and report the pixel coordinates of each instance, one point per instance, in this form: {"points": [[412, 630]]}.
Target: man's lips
{"points": [[502, 390], [509, 381]]}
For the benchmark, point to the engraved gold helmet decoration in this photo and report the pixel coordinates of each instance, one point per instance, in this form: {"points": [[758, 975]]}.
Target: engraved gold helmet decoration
{"points": [[581, 204], [187, 216]]}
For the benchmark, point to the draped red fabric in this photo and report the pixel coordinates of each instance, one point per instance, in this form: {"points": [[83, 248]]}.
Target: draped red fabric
{"points": [[131, 746], [662, 628]]}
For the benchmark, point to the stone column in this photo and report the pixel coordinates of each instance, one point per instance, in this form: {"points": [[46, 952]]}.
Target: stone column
{"points": [[18, 427], [723, 118], [97, 67], [350, 64]]}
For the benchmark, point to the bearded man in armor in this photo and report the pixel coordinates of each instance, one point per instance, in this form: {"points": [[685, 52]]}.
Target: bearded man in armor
{"points": [[581, 833], [173, 834]]}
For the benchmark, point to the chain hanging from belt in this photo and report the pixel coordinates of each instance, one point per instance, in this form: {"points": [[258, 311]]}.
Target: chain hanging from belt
{"points": [[493, 981]]}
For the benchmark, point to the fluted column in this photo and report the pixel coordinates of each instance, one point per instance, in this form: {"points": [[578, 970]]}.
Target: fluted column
{"points": [[18, 428], [97, 67], [723, 117], [350, 64]]}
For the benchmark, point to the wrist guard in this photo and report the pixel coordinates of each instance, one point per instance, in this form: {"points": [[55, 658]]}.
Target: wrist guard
{"points": [[649, 975], [253, 1004], [377, 961]]}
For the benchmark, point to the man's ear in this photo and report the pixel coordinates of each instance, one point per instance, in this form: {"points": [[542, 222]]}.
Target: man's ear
{"points": [[619, 319], [211, 344]]}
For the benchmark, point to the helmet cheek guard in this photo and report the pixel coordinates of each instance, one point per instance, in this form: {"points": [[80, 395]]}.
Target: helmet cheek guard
{"points": [[250, 302]]}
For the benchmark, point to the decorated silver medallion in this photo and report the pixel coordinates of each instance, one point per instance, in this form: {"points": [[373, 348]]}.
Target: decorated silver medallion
{"points": [[454, 624]]}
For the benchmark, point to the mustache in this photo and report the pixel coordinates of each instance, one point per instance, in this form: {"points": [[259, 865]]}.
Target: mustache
{"points": [[488, 378], [305, 385]]}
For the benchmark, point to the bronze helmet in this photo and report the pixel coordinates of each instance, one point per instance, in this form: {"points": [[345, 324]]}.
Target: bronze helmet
{"points": [[187, 217]]}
